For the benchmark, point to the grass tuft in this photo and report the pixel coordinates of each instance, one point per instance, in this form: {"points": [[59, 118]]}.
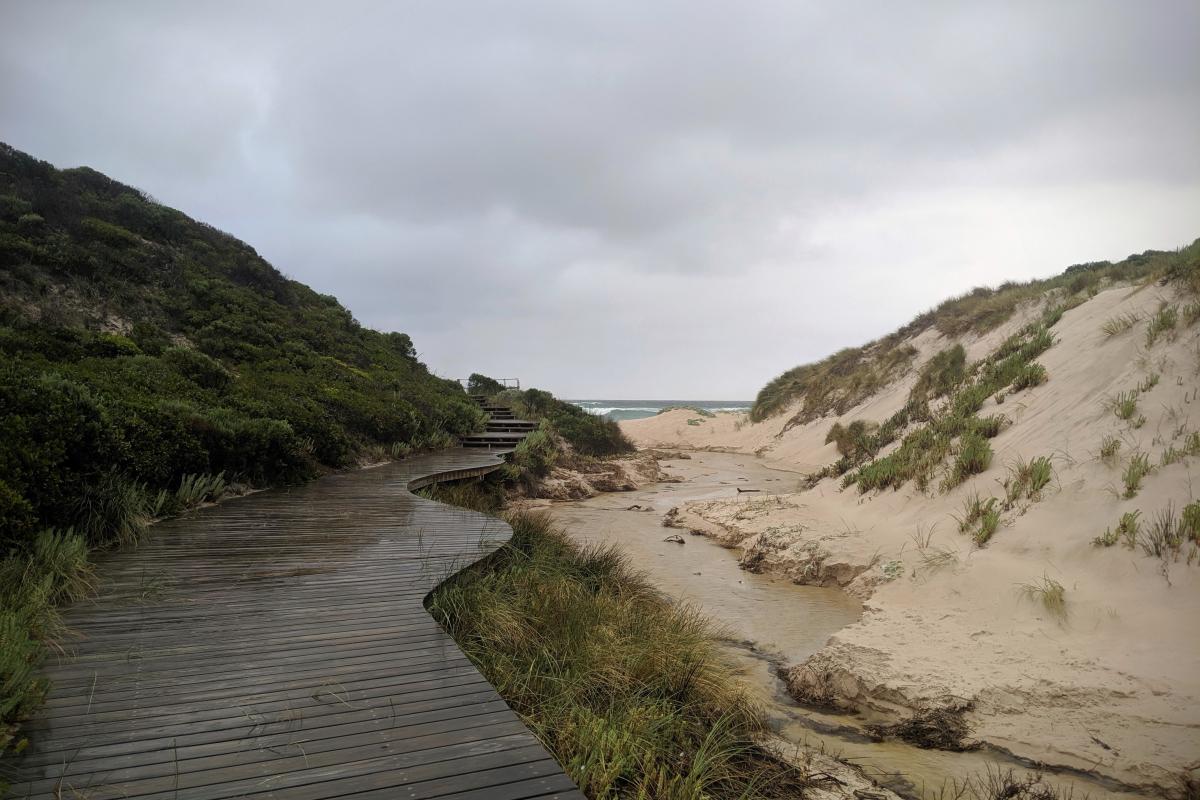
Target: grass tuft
{"points": [[1126, 532], [1109, 447], [1115, 326], [1137, 469], [1161, 323], [1124, 404], [1049, 593]]}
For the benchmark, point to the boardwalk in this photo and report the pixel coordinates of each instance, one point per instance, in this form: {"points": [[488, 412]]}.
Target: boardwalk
{"points": [[276, 646]]}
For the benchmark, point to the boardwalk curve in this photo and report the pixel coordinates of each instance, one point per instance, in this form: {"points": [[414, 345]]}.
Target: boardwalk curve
{"points": [[277, 646]]}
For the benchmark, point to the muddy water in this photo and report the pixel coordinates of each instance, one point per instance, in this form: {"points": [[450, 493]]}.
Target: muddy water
{"points": [[770, 621]]}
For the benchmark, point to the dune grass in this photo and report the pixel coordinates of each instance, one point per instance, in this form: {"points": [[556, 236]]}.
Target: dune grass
{"points": [[34, 582], [1049, 593], [1126, 531], [1124, 404], [1109, 447], [843, 380], [1137, 469], [626, 689], [1115, 326], [1161, 323]]}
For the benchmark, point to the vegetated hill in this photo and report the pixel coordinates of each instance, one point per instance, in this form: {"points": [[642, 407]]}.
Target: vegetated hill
{"points": [[140, 345], [846, 378], [1010, 480], [146, 359]]}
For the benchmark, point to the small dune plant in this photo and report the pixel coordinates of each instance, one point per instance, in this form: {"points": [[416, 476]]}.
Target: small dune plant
{"points": [[1149, 382], [1124, 404], [1049, 593], [1109, 447], [1137, 469], [1164, 535], [1030, 375], [1027, 478], [1126, 532], [981, 518], [974, 456], [1164, 321], [1115, 326]]}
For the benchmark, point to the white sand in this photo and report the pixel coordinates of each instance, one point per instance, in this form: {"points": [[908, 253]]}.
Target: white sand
{"points": [[1115, 687]]}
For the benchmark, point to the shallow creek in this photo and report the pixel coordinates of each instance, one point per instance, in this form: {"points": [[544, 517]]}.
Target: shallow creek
{"points": [[770, 621]]}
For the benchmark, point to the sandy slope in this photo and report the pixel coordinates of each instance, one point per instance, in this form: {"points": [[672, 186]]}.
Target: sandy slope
{"points": [[1115, 686]]}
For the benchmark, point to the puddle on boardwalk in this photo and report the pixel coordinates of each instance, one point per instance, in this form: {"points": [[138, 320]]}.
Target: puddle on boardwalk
{"points": [[772, 620]]}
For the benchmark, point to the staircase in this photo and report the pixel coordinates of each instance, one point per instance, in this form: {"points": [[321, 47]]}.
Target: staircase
{"points": [[503, 430]]}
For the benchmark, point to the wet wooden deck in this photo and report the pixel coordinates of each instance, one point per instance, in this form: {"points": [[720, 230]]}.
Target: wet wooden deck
{"points": [[276, 646]]}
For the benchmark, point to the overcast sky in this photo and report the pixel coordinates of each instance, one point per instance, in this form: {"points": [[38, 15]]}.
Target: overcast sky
{"points": [[632, 199]]}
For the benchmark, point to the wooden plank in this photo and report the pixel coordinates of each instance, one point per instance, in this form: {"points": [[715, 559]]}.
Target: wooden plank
{"points": [[277, 646]]}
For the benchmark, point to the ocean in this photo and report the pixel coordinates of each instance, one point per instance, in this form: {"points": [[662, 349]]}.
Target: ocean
{"points": [[639, 409]]}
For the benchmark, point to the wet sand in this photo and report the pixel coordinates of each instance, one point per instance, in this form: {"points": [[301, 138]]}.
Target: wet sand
{"points": [[770, 622]]}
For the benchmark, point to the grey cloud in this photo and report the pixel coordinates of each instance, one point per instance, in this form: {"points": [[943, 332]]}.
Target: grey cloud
{"points": [[803, 176]]}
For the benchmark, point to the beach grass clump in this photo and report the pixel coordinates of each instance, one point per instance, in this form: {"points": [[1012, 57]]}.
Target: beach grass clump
{"points": [[1109, 447], [1162, 322], [1049, 593], [1189, 522], [35, 579], [197, 489], [1164, 536], [974, 456], [1124, 404], [1190, 313], [1027, 478], [704, 412], [1030, 375], [1115, 326], [1126, 531], [941, 374], [856, 440], [836, 384], [626, 689], [1149, 382], [1136, 469], [981, 518]]}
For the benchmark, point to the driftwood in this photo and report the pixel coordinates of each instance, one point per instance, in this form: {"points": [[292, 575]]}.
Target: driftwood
{"points": [[742, 491], [675, 537]]}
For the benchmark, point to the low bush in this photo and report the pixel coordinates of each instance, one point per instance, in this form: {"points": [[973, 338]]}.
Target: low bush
{"points": [[974, 456], [1030, 375], [588, 434]]}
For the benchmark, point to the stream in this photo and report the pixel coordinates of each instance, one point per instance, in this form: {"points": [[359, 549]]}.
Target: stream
{"points": [[769, 621]]}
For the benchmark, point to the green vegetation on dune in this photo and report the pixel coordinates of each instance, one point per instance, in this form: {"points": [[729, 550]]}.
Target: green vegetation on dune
{"points": [[843, 380], [588, 434], [624, 687], [145, 360]]}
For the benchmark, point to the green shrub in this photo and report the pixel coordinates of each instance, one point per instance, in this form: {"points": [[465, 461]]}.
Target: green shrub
{"points": [[589, 434], [483, 385]]}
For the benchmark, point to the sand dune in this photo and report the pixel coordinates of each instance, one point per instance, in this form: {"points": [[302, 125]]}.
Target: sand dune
{"points": [[1112, 684]]}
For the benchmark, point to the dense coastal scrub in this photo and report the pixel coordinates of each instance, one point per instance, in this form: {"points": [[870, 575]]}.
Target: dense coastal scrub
{"points": [[840, 382], [147, 361], [626, 689], [588, 434]]}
